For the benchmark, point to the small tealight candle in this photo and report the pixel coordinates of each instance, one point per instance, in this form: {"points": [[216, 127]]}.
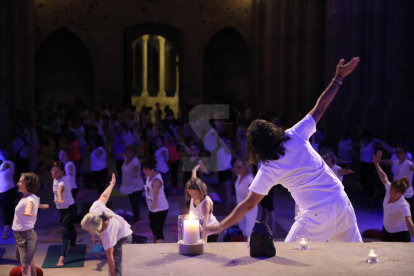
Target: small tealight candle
{"points": [[303, 242], [373, 256]]}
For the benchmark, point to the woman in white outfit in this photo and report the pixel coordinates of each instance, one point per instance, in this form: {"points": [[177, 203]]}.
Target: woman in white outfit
{"points": [[244, 179], [66, 205], [201, 203], [132, 183], [112, 229], [289, 159], [156, 200]]}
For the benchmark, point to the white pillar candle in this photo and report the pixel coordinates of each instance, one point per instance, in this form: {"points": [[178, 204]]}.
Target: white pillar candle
{"points": [[191, 230]]}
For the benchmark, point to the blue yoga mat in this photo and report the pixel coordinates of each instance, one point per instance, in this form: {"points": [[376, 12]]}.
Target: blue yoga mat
{"points": [[73, 259]]}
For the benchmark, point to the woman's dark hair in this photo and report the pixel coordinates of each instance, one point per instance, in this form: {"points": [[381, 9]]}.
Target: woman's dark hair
{"points": [[160, 137], [32, 182], [130, 147], [402, 146], [149, 164], [98, 141], [67, 150], [400, 185], [59, 164], [70, 137], [264, 141]]}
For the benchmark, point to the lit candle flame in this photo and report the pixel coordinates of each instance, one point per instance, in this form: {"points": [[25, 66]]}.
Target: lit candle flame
{"points": [[191, 216]]}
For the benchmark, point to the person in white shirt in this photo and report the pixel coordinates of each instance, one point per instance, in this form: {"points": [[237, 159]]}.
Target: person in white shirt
{"points": [[345, 146], [66, 205], [244, 179], [156, 200], [99, 167], [132, 183], [200, 203], [8, 193], [162, 157], [398, 224], [111, 228], [403, 167], [288, 159], [328, 157], [24, 220], [70, 170]]}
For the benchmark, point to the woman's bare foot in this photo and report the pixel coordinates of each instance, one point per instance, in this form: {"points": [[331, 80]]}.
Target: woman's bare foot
{"points": [[61, 261], [72, 248]]}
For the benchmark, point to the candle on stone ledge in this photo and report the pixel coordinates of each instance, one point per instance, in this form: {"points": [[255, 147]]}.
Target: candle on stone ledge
{"points": [[372, 257], [303, 243], [191, 231]]}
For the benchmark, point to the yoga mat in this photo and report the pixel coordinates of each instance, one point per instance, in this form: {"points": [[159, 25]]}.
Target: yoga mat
{"points": [[2, 250], [73, 259]]}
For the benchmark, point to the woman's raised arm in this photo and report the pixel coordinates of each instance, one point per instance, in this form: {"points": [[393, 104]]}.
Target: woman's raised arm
{"points": [[107, 193]]}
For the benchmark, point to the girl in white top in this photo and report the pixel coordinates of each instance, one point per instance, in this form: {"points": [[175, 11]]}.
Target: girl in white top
{"points": [[7, 193], [24, 221], [132, 183], [328, 157], [244, 179], [398, 224], [162, 157], [99, 167], [156, 200], [201, 203], [402, 167], [66, 205], [112, 229], [70, 170]]}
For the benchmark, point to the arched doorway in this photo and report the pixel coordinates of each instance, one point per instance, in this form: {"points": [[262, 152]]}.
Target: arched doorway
{"points": [[63, 70], [227, 69], [152, 65]]}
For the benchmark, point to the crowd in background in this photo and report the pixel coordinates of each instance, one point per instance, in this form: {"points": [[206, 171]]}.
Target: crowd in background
{"points": [[87, 141]]}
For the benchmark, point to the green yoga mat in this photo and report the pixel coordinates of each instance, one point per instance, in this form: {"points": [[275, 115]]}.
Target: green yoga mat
{"points": [[73, 259]]}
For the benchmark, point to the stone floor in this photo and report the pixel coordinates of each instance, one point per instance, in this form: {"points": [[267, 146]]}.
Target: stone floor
{"points": [[48, 228]]}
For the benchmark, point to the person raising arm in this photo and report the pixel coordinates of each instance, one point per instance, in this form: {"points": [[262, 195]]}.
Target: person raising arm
{"points": [[268, 144], [398, 224]]}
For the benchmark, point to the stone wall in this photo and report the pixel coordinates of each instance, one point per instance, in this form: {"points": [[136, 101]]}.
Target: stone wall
{"points": [[100, 25]]}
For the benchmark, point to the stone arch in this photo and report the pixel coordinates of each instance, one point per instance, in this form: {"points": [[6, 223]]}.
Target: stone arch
{"points": [[226, 68], [63, 70]]}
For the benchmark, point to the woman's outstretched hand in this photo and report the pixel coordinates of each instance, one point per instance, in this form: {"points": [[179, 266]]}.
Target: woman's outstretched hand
{"points": [[377, 157], [113, 180], [345, 70]]}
